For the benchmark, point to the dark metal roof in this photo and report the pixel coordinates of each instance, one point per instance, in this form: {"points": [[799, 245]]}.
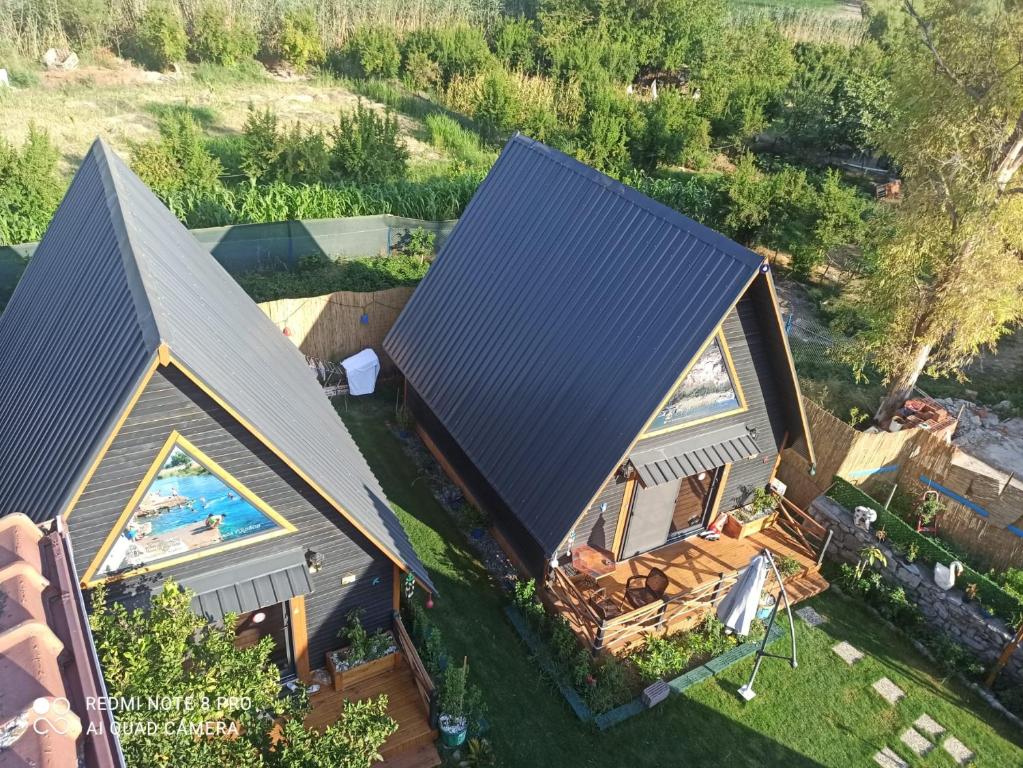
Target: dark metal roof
{"points": [[251, 585], [693, 455], [553, 323], [115, 276]]}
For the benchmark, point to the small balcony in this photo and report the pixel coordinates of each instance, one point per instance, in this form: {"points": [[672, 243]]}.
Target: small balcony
{"points": [[609, 617]]}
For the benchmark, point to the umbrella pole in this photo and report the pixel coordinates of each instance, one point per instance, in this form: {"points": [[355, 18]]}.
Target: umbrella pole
{"points": [[747, 691]]}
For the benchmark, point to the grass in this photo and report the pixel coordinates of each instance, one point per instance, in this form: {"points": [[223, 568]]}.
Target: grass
{"points": [[822, 714]]}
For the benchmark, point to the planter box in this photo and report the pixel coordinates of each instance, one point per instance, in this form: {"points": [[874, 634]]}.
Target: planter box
{"points": [[738, 530], [357, 674]]}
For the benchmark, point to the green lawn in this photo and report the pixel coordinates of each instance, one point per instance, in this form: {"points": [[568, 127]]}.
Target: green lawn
{"points": [[823, 713]]}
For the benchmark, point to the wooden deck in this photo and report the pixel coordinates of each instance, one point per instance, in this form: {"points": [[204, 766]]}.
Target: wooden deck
{"points": [[406, 685], [699, 572]]}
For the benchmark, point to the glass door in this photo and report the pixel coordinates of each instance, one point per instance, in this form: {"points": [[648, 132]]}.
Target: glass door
{"points": [[693, 504], [273, 622]]}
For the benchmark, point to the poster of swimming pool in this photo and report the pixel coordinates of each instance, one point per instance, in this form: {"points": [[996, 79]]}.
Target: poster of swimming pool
{"points": [[706, 391], [185, 509]]}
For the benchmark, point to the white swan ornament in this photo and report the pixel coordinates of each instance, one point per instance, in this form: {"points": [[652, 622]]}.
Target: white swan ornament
{"points": [[863, 517], [945, 575]]}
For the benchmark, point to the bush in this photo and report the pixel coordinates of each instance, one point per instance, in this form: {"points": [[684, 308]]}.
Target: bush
{"points": [[460, 50], [421, 73], [261, 145], [603, 140], [158, 39], [674, 133], [515, 42], [30, 188], [367, 147], [299, 42], [177, 162], [87, 23], [375, 52], [495, 109], [221, 37]]}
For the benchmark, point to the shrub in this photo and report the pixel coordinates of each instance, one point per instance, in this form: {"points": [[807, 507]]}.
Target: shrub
{"points": [[87, 23], [460, 50], [375, 51], [178, 161], [220, 36], [30, 187], [366, 146], [421, 73], [299, 42], [610, 688], [603, 132], [673, 132], [495, 109], [515, 42], [261, 145], [305, 158], [662, 657], [158, 39]]}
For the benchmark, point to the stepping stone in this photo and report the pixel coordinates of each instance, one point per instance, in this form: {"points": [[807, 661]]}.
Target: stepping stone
{"points": [[889, 691], [959, 751], [912, 739], [929, 726], [847, 653], [810, 616], [886, 758]]}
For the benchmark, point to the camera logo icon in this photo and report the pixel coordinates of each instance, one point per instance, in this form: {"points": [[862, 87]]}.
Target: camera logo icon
{"points": [[52, 716]]}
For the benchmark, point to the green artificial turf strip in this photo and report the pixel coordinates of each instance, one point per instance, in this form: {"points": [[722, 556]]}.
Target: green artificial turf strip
{"points": [[821, 714]]}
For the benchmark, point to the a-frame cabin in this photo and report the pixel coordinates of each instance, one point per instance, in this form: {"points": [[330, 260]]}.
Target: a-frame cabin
{"points": [[145, 398], [594, 368]]}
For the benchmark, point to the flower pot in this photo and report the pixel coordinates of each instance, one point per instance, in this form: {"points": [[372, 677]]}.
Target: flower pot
{"points": [[453, 730], [738, 530], [351, 676]]}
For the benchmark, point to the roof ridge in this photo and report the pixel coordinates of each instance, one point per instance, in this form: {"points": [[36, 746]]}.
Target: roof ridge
{"points": [[145, 308], [702, 232]]}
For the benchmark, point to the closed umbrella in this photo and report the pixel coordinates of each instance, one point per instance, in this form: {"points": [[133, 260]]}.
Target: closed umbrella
{"points": [[742, 602]]}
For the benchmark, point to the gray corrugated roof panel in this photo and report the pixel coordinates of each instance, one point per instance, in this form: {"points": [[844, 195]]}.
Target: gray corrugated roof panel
{"points": [[251, 585], [694, 454], [555, 320], [153, 284]]}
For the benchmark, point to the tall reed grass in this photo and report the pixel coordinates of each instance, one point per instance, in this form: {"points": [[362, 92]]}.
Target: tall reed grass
{"points": [[803, 25]]}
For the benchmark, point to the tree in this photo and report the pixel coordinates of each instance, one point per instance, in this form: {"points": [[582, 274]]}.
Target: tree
{"points": [[212, 703], [950, 281]]}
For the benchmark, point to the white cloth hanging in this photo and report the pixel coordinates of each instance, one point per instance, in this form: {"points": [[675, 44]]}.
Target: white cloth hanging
{"points": [[742, 602], [361, 370]]}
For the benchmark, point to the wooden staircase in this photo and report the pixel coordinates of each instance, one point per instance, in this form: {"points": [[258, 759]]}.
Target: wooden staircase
{"points": [[412, 745]]}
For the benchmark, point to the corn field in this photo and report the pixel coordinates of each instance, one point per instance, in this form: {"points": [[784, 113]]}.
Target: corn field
{"points": [[29, 27]]}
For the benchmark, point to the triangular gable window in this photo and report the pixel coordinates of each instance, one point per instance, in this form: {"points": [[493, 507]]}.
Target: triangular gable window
{"points": [[187, 507], [708, 391]]}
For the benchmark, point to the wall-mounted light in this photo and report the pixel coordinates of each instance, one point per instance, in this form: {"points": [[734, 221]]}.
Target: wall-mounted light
{"points": [[752, 429], [258, 618], [313, 560], [702, 476]]}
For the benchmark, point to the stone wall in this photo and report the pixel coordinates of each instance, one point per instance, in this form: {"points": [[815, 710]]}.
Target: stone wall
{"points": [[948, 611]]}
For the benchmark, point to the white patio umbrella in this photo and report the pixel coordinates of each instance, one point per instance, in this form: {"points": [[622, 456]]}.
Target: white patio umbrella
{"points": [[742, 602]]}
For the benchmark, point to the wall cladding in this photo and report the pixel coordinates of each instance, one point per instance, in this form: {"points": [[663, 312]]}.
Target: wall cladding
{"points": [[170, 402], [985, 636]]}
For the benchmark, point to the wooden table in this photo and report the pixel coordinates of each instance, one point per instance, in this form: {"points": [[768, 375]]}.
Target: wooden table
{"points": [[592, 561]]}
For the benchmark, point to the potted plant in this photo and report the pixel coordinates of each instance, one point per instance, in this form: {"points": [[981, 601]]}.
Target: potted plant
{"points": [[759, 514], [454, 716], [365, 655]]}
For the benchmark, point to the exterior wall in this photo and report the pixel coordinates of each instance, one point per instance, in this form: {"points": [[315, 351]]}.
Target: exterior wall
{"points": [[758, 372], [526, 550], [986, 636], [172, 402]]}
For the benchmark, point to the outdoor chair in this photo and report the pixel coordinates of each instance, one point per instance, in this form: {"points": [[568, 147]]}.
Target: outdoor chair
{"points": [[606, 606], [643, 590]]}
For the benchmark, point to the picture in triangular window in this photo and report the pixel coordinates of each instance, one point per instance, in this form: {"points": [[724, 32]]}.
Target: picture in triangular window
{"points": [[707, 391], [186, 508]]}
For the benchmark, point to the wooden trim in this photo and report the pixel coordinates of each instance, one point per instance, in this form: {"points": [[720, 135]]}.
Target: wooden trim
{"points": [[115, 430], [792, 367], [733, 376], [176, 439], [300, 638], [720, 495], [163, 354], [280, 454], [623, 515], [396, 589], [642, 433]]}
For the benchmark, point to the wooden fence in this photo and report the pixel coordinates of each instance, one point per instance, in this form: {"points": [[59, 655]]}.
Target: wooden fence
{"points": [[984, 507], [336, 325]]}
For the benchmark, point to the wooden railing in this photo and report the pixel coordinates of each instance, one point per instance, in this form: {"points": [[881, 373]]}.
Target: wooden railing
{"points": [[424, 683], [575, 603], [813, 536]]}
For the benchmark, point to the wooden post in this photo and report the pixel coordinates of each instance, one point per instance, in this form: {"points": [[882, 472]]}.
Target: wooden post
{"points": [[300, 638], [1007, 652]]}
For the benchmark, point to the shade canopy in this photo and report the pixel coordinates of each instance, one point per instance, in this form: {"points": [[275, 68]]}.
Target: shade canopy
{"points": [[742, 602]]}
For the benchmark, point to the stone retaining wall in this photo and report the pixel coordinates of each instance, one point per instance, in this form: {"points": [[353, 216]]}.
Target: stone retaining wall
{"points": [[986, 636]]}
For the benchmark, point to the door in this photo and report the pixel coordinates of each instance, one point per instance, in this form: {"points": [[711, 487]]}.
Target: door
{"points": [[693, 503], [651, 518], [273, 622]]}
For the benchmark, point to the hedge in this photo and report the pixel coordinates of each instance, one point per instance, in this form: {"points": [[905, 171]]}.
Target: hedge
{"points": [[990, 594]]}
